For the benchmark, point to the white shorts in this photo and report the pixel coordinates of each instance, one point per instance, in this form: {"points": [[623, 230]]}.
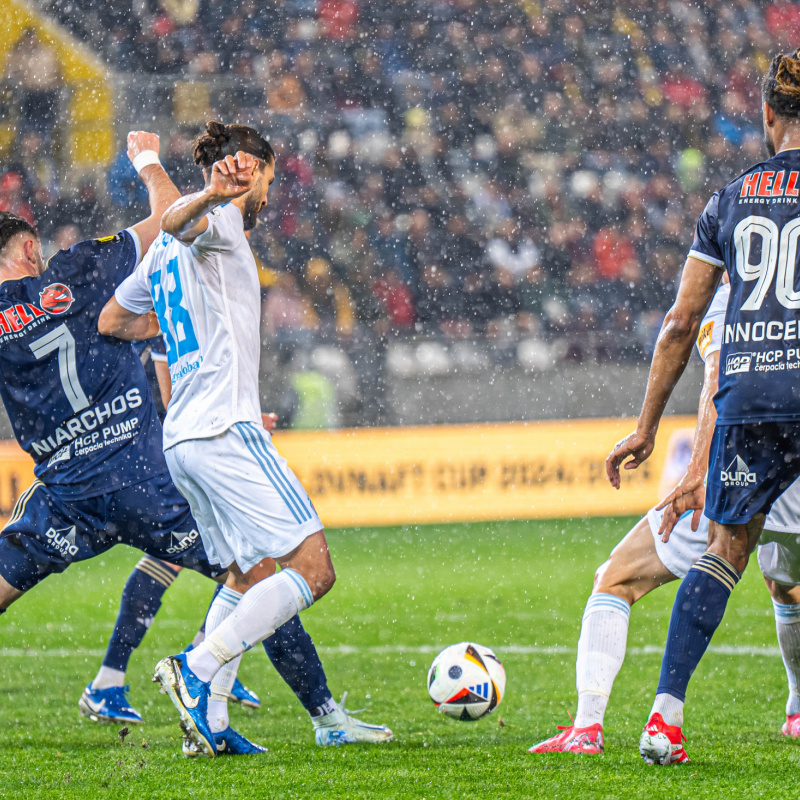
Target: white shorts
{"points": [[247, 503], [778, 549]]}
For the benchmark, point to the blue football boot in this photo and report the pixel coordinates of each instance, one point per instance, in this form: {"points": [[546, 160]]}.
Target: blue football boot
{"points": [[229, 743], [108, 705], [190, 696], [241, 694]]}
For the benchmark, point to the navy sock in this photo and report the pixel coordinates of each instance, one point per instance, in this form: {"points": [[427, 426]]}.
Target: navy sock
{"points": [[697, 613], [140, 602], [291, 651]]}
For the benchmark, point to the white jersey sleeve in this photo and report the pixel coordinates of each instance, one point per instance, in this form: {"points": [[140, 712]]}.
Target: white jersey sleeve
{"points": [[225, 229], [709, 340], [133, 294]]}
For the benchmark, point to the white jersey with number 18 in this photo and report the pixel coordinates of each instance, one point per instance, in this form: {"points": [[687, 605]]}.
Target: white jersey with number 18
{"points": [[207, 299]]}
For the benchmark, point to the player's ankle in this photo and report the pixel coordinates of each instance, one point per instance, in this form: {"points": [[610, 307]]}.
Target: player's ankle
{"points": [[108, 678], [670, 708], [322, 714], [203, 662]]}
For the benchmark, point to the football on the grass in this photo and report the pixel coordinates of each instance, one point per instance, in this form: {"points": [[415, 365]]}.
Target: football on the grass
{"points": [[466, 681]]}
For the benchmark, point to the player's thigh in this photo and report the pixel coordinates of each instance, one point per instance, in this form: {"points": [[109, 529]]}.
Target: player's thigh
{"points": [[45, 534], [261, 508], [779, 560], [154, 517], [750, 467], [634, 568]]}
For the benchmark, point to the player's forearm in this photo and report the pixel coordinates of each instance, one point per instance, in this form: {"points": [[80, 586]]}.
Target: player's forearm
{"points": [[120, 323], [673, 349], [706, 417], [161, 191], [183, 218]]}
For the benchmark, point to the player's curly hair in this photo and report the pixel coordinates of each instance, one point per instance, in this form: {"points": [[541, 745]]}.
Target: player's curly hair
{"points": [[11, 225], [781, 85], [226, 140]]}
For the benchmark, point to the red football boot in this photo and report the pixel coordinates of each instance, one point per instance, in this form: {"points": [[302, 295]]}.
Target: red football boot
{"points": [[661, 743]]}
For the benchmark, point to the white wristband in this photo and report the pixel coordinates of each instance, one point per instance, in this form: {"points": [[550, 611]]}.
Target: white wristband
{"points": [[144, 159]]}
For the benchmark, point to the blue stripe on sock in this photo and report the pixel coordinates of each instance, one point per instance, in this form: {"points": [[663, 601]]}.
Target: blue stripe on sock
{"points": [[301, 584], [789, 613], [229, 595], [608, 601], [284, 480], [251, 447]]}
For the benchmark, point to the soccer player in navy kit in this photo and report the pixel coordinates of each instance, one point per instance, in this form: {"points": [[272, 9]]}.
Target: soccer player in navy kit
{"points": [[750, 228]]}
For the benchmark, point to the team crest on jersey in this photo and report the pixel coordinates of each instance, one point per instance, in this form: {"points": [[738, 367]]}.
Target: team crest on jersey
{"points": [[56, 298]]}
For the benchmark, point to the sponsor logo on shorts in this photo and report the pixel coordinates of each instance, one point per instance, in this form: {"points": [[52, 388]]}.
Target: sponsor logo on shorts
{"points": [[181, 541], [737, 474], [63, 540], [738, 362]]}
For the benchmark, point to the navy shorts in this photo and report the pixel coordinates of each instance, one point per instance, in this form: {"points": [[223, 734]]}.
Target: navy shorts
{"points": [[45, 533], [749, 468]]}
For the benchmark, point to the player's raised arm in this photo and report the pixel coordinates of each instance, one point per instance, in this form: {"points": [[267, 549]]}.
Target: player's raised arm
{"points": [[673, 348], [162, 192], [231, 177]]}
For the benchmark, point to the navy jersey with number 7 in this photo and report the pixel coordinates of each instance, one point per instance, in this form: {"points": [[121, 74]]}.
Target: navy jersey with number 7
{"points": [[79, 402], [752, 228]]}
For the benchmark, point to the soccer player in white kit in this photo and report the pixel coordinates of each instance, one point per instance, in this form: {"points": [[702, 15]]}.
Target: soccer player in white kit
{"points": [[200, 278], [661, 548]]}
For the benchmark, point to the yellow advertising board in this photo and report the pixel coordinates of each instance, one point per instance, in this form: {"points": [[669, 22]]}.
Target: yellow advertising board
{"points": [[455, 473]]}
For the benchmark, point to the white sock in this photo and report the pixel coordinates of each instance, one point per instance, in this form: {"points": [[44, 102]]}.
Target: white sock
{"points": [[198, 638], [670, 708], [108, 678], [224, 605], [263, 608], [601, 651], [787, 618]]}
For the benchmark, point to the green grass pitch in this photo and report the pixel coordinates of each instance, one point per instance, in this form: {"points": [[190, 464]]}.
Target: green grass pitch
{"points": [[401, 593]]}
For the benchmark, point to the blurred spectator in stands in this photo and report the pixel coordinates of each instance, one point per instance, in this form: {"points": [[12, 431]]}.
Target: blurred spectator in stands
{"points": [[288, 319], [85, 209], [510, 250], [124, 187], [438, 303], [13, 198], [66, 236], [330, 306], [398, 301], [337, 19], [32, 160], [178, 166], [34, 72]]}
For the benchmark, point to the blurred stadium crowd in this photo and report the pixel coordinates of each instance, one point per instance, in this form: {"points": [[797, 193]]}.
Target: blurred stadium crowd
{"points": [[507, 183]]}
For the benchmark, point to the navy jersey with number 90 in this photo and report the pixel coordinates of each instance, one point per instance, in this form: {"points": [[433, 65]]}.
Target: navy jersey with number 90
{"points": [[752, 228], [79, 402]]}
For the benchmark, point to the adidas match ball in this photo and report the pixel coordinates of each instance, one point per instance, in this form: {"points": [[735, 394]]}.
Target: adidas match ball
{"points": [[466, 681]]}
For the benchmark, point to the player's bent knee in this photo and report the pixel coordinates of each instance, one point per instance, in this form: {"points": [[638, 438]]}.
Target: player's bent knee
{"points": [[8, 594], [322, 580]]}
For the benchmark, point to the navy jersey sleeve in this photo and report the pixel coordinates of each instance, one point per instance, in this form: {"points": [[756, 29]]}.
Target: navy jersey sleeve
{"points": [[705, 246], [101, 263]]}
